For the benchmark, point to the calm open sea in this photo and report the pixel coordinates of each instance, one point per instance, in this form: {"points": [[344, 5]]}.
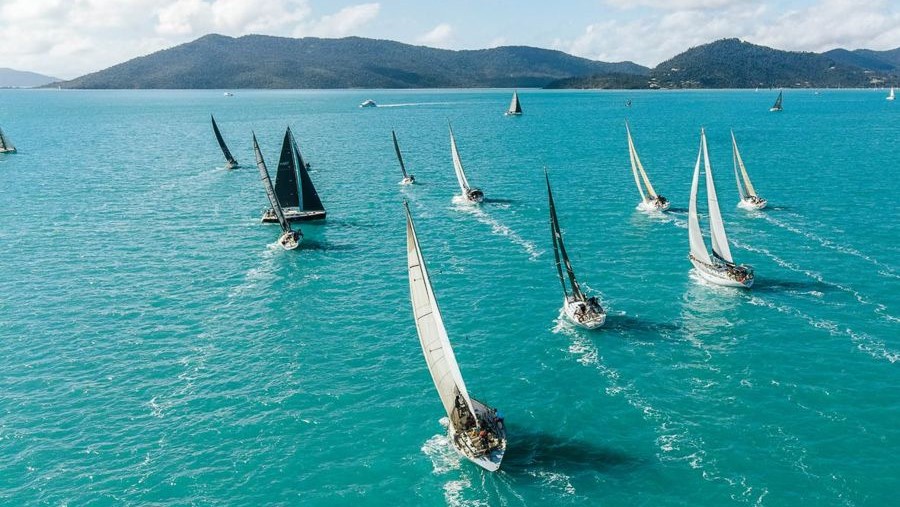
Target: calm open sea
{"points": [[158, 348]]}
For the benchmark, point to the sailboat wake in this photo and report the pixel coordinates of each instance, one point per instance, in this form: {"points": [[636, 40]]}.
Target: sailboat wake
{"points": [[498, 227]]}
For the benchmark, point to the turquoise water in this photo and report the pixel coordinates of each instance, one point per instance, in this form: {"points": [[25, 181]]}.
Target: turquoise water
{"points": [[157, 348]]}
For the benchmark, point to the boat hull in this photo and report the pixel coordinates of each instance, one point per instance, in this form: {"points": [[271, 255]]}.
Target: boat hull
{"points": [[653, 205], [293, 215], [591, 321], [409, 180], [474, 195], [463, 442], [513, 114], [719, 276], [290, 240], [775, 109], [752, 205], [8, 151]]}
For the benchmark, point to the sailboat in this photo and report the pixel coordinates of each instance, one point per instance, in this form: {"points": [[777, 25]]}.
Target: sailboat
{"points": [[408, 179], [230, 162], [777, 105], [473, 195], [295, 191], [650, 201], [749, 198], [475, 429], [515, 109], [289, 238], [718, 268], [5, 145], [890, 95], [581, 310]]}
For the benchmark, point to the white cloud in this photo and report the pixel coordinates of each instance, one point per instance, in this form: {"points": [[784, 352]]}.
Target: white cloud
{"points": [[672, 5], [439, 36], [346, 21]]}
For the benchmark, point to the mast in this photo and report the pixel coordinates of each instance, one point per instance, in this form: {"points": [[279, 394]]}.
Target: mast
{"points": [[309, 197], [716, 226], [430, 327], [457, 163], [637, 167], [399, 156], [695, 237], [286, 187], [558, 242], [739, 164], [228, 158], [270, 191]]}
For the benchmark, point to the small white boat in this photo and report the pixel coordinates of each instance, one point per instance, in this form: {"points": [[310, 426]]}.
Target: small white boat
{"points": [[368, 103], [650, 201], [289, 238], [476, 430], [515, 109], [749, 199], [228, 94], [718, 268], [6, 146], [777, 106], [408, 179], [294, 188], [580, 309], [230, 162], [472, 195], [890, 95]]}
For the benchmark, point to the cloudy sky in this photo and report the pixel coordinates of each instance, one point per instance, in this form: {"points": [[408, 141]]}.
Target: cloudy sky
{"points": [[68, 38]]}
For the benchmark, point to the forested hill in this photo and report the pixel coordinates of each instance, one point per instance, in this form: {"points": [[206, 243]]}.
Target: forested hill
{"points": [[258, 61]]}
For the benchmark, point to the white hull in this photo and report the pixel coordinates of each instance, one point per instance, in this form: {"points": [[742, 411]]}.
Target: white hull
{"points": [[590, 321], [8, 151], [513, 114], [653, 205], [751, 205], [290, 240], [292, 215], [774, 109], [719, 276], [409, 180], [466, 444], [473, 196]]}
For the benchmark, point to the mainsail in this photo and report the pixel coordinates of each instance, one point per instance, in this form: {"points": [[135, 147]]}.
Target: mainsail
{"points": [[559, 249], [430, 326], [231, 161], [739, 166], [716, 227], [309, 197], [514, 106], [5, 144], [777, 106], [270, 191], [695, 237], [638, 169], [457, 164], [399, 156], [286, 177]]}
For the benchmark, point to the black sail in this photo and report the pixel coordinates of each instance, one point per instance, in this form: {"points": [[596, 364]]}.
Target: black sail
{"points": [[286, 176], [309, 198], [270, 191], [399, 156], [230, 159], [559, 249]]}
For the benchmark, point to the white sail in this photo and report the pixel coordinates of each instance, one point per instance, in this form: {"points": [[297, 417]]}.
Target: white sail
{"points": [[695, 237], [457, 164], [739, 164], [514, 106], [638, 168], [430, 326], [891, 94], [5, 144], [716, 227]]}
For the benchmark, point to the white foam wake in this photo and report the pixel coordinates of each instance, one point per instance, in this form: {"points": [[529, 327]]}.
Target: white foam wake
{"points": [[497, 227]]}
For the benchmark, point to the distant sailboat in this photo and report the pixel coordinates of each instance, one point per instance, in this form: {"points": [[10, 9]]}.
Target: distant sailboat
{"points": [[581, 310], [230, 162], [293, 186], [408, 179], [473, 195], [368, 103], [890, 95], [290, 238], [475, 429], [719, 268], [6, 146], [749, 198], [777, 105], [650, 201], [515, 109]]}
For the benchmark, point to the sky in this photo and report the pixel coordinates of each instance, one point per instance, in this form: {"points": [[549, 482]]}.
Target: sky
{"points": [[69, 38]]}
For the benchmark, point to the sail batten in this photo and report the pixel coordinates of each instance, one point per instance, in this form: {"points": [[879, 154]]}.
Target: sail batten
{"points": [[457, 164], [433, 337], [716, 226], [270, 190], [225, 151], [399, 156]]}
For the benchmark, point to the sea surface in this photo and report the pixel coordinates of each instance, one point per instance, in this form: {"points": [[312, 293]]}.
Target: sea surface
{"points": [[158, 348]]}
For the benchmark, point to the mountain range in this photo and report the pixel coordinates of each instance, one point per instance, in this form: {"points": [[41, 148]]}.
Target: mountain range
{"points": [[11, 78], [259, 61]]}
